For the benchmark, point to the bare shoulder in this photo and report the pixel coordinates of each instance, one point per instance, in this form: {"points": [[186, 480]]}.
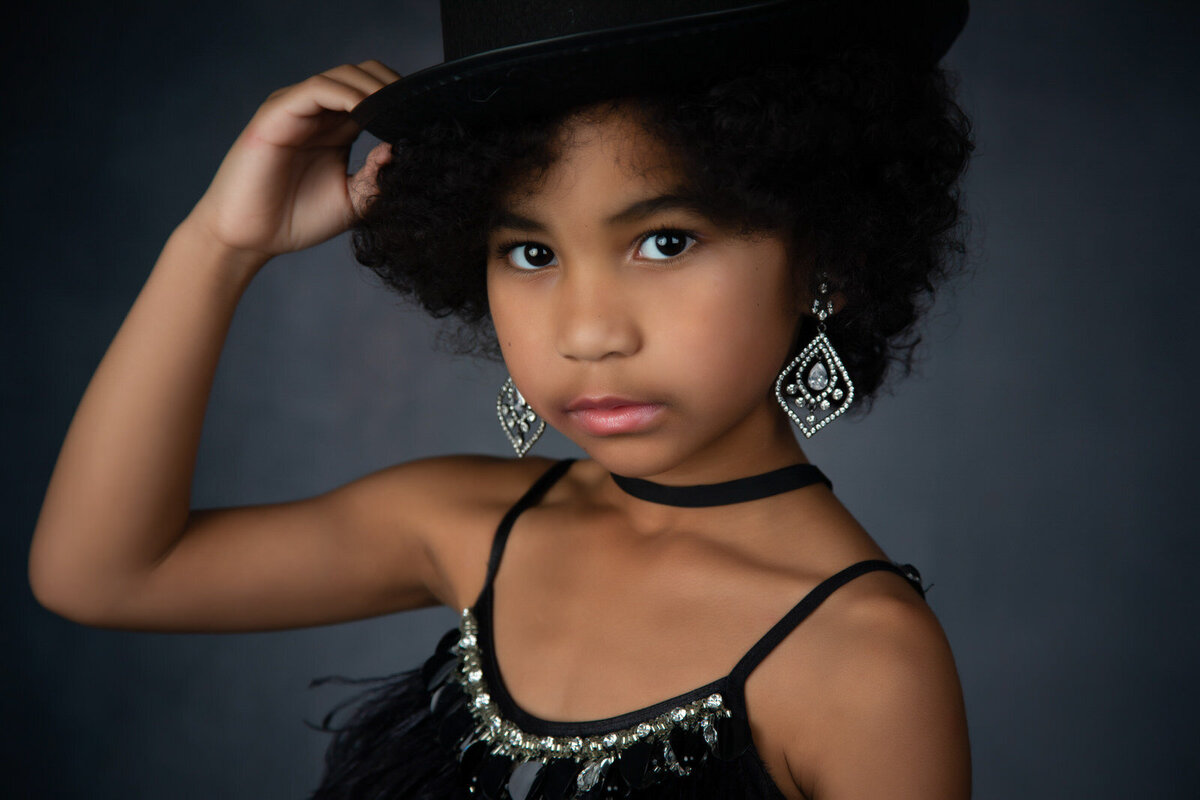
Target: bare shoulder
{"points": [[880, 712], [469, 479], [463, 497]]}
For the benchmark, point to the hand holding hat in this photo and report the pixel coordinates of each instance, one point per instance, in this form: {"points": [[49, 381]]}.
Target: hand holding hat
{"points": [[283, 185]]}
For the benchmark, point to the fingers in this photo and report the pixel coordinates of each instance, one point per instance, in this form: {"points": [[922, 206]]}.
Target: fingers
{"points": [[356, 76], [368, 77], [340, 88], [380, 70], [322, 92]]}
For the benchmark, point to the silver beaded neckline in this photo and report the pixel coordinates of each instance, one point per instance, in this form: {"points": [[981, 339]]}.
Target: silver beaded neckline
{"points": [[510, 740]]}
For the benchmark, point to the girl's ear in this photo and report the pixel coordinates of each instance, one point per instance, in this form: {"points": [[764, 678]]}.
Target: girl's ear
{"points": [[806, 292], [839, 301], [802, 256], [805, 308]]}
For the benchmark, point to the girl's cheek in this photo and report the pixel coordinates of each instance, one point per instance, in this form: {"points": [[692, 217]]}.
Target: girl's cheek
{"points": [[743, 336], [503, 305]]}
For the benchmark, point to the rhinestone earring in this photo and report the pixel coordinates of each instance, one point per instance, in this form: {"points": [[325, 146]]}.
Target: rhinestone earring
{"points": [[521, 425], [815, 382]]}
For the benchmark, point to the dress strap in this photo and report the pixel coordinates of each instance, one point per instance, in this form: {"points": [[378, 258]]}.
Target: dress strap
{"points": [[532, 495], [809, 603]]}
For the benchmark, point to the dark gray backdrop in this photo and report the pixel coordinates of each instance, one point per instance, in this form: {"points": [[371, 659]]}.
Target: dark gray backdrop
{"points": [[1036, 470]]}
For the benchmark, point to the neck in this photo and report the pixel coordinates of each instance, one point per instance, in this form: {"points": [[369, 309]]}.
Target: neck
{"points": [[738, 490], [763, 442]]}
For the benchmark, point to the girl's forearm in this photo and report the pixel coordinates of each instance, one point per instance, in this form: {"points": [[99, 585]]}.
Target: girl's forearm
{"points": [[120, 491]]}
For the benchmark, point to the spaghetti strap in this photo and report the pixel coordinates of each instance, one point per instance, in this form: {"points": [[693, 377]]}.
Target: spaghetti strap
{"points": [[809, 603], [532, 495]]}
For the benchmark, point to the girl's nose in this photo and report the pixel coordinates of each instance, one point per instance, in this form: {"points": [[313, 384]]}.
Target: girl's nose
{"points": [[595, 316]]}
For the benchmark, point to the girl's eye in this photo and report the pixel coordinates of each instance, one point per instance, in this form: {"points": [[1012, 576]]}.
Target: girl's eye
{"points": [[531, 256], [670, 242], [535, 255]]}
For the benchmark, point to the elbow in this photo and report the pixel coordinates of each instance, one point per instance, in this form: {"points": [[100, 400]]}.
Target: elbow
{"points": [[61, 595], [72, 608], [51, 597]]}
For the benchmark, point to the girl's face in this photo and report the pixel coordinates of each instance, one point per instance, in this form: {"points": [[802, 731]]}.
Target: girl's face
{"points": [[600, 287]]}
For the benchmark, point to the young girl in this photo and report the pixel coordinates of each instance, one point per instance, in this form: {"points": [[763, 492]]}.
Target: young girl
{"points": [[685, 233]]}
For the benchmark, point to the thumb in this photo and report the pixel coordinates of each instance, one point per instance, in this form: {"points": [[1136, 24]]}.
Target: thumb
{"points": [[362, 186]]}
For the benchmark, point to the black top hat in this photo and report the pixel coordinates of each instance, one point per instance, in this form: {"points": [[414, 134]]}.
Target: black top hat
{"points": [[505, 58]]}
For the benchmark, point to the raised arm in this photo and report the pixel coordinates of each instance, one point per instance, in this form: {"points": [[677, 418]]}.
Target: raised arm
{"points": [[116, 543]]}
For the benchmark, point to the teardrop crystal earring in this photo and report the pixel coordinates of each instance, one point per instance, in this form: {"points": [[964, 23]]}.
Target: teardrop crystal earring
{"points": [[815, 383], [521, 425]]}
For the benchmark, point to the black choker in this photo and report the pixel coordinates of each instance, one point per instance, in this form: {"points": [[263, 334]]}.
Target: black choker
{"points": [[737, 490]]}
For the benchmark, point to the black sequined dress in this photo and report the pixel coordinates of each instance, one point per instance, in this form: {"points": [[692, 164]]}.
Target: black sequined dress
{"points": [[449, 730]]}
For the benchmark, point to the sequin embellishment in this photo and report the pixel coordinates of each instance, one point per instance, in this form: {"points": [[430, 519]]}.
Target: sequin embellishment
{"points": [[502, 761]]}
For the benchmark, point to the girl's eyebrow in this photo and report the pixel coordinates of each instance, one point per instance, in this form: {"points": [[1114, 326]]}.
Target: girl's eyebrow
{"points": [[635, 211]]}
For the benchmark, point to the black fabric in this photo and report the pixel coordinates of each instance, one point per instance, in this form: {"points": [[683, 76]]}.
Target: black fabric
{"points": [[396, 746], [738, 490], [471, 26], [553, 63]]}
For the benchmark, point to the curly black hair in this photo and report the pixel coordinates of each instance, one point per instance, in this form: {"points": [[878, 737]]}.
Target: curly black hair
{"points": [[853, 159]]}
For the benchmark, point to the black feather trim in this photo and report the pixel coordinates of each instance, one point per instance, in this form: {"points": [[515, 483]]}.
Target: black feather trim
{"points": [[388, 749]]}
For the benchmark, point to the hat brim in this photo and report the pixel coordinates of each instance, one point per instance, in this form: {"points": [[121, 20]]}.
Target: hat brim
{"points": [[567, 70]]}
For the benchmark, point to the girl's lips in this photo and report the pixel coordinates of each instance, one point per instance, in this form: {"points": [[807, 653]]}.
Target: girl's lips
{"points": [[618, 419]]}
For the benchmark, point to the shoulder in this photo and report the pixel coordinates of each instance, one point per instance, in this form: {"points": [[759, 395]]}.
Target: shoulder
{"points": [[471, 477], [888, 717], [460, 500], [440, 490]]}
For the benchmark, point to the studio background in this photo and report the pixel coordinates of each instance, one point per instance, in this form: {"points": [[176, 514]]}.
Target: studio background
{"points": [[1035, 469]]}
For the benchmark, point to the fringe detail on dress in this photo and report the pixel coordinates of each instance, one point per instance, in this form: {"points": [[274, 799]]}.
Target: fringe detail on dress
{"points": [[388, 749]]}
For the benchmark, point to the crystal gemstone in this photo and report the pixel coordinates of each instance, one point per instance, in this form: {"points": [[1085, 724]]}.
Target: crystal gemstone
{"points": [[818, 377]]}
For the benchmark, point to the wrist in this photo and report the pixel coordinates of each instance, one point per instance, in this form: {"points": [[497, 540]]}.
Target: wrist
{"points": [[193, 234]]}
